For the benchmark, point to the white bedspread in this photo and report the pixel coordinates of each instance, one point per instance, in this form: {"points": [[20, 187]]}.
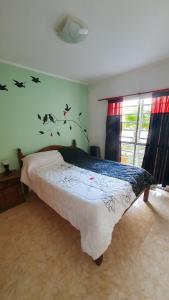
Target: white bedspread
{"points": [[91, 202]]}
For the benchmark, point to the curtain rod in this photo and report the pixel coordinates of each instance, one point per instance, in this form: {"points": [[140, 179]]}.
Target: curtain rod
{"points": [[140, 93]]}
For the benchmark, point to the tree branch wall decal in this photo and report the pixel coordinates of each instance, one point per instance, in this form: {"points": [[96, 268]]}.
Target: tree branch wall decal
{"points": [[52, 123]]}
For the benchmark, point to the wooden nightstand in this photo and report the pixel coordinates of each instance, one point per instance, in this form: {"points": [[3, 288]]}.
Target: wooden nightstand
{"points": [[10, 190]]}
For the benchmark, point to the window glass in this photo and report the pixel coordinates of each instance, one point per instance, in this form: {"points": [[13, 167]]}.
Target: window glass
{"points": [[128, 147], [129, 110], [133, 102], [128, 133], [143, 134], [129, 118], [147, 100], [127, 157], [129, 125], [139, 155], [147, 109], [126, 139], [135, 125]]}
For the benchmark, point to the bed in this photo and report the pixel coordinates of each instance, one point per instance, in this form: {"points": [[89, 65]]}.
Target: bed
{"points": [[91, 194]]}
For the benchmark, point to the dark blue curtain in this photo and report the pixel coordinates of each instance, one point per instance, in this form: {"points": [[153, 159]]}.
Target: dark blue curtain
{"points": [[113, 130], [156, 158]]}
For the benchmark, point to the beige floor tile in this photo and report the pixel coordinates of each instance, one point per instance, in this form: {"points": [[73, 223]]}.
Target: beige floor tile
{"points": [[41, 258]]}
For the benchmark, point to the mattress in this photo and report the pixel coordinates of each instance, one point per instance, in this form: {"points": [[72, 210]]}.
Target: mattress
{"points": [[92, 202]]}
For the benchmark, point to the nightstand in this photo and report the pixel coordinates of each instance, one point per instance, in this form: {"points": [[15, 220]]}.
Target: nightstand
{"points": [[10, 190]]}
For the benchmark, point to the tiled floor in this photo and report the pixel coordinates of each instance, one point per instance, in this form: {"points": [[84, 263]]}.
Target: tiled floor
{"points": [[41, 259]]}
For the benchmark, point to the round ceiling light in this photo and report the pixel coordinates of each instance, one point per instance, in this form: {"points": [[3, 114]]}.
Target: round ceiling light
{"points": [[72, 30]]}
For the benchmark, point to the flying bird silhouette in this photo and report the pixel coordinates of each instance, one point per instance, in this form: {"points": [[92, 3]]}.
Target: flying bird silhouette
{"points": [[66, 110], [3, 87], [19, 84], [35, 79]]}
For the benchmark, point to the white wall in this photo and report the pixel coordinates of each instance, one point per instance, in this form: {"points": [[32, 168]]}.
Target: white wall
{"points": [[148, 78]]}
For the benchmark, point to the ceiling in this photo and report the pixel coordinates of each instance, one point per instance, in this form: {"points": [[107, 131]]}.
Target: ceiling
{"points": [[123, 35]]}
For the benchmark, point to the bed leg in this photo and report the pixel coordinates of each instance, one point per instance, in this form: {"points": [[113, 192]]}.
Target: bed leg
{"points": [[146, 194], [99, 260]]}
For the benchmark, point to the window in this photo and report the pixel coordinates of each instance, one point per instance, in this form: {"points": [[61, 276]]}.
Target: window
{"points": [[135, 125]]}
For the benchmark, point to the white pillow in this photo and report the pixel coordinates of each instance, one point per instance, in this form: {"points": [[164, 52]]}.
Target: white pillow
{"points": [[39, 159]]}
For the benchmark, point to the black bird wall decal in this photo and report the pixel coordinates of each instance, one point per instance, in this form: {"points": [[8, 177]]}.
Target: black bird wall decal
{"points": [[3, 87], [19, 84], [35, 79], [66, 110], [45, 119], [51, 118]]}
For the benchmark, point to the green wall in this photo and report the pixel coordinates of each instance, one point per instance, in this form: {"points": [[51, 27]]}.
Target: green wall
{"points": [[19, 124]]}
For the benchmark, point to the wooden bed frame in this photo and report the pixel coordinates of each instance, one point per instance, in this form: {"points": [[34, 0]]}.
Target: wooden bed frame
{"points": [[20, 156]]}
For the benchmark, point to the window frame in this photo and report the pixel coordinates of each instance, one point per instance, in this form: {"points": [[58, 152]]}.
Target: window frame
{"points": [[138, 126]]}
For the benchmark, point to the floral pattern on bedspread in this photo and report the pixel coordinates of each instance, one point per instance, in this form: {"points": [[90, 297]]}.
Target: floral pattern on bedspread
{"points": [[76, 181]]}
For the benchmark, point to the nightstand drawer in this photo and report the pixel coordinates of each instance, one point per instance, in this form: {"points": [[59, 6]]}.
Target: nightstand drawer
{"points": [[7, 183], [11, 197], [2, 203], [12, 182], [10, 190], [2, 185]]}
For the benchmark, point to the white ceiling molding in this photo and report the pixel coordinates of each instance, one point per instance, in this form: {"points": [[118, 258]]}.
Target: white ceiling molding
{"points": [[40, 71]]}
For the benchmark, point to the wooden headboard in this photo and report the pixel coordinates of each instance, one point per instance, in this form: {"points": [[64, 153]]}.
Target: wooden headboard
{"points": [[20, 154]]}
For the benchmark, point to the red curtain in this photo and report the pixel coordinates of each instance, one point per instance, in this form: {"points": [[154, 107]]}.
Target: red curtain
{"points": [[114, 109], [160, 105]]}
